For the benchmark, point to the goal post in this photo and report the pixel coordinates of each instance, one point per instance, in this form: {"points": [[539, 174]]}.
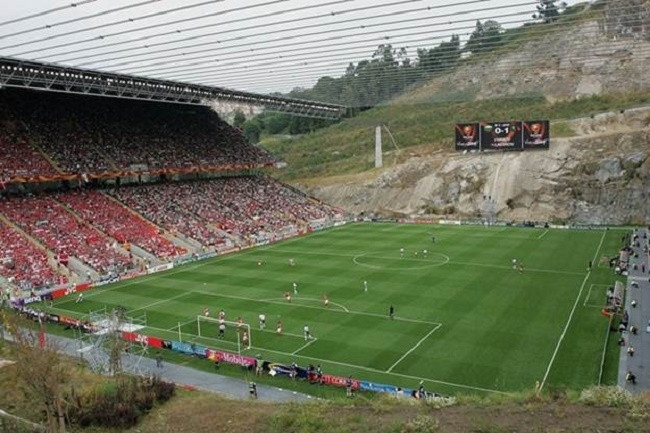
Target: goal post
{"points": [[208, 327]]}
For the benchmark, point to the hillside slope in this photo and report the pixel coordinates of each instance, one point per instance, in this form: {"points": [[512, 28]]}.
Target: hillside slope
{"points": [[597, 170], [600, 176]]}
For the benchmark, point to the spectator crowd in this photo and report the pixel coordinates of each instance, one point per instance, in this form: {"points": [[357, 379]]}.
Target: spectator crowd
{"points": [[54, 137], [97, 135]]}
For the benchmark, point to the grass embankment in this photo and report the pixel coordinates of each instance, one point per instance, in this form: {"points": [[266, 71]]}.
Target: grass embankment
{"points": [[199, 412], [348, 147]]}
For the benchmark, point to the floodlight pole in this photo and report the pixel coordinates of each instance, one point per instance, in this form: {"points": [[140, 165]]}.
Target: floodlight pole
{"points": [[378, 156]]}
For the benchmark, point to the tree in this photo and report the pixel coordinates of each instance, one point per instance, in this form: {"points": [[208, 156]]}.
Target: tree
{"points": [[485, 37], [239, 119], [41, 370], [549, 10], [252, 130], [442, 57]]}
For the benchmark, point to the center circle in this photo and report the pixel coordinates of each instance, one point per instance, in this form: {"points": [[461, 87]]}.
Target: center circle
{"points": [[383, 261]]}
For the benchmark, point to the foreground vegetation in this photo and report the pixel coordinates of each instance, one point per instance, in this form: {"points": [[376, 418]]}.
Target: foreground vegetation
{"points": [[594, 410]]}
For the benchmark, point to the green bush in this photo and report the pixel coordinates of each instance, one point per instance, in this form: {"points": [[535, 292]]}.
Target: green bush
{"points": [[120, 405], [610, 396]]}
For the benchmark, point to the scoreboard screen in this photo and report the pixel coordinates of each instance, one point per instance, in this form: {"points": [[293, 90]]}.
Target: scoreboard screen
{"points": [[501, 136], [536, 134], [467, 136]]}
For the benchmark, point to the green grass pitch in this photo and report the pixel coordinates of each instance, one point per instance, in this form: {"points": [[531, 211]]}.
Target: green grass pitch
{"points": [[465, 321]]}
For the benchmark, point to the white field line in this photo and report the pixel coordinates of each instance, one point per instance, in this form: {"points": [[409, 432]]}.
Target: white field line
{"points": [[297, 305], [451, 262], [374, 370], [182, 268], [306, 345], [359, 367], [568, 322], [175, 328], [413, 348], [162, 301], [548, 271], [543, 234], [285, 303], [588, 297], [273, 300]]}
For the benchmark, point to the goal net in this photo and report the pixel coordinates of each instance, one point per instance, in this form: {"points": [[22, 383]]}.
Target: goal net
{"points": [[233, 332]]}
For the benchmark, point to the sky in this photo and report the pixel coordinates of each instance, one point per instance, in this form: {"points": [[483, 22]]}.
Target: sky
{"points": [[261, 46]]}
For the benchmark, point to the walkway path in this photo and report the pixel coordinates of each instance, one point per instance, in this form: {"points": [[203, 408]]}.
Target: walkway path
{"points": [[185, 376], [638, 289]]}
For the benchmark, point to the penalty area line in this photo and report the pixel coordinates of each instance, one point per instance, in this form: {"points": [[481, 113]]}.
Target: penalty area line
{"points": [[413, 348], [306, 345]]}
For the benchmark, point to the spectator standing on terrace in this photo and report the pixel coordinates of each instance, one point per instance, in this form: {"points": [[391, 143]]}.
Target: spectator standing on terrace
{"points": [[630, 377]]}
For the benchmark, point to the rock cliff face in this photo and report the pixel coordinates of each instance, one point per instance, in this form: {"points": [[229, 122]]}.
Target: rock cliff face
{"points": [[596, 55], [601, 176]]}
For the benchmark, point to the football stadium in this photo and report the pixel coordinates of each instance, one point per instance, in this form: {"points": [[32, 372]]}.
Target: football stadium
{"points": [[454, 227]]}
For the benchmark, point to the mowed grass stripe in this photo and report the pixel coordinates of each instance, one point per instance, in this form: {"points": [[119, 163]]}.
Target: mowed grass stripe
{"points": [[499, 327]]}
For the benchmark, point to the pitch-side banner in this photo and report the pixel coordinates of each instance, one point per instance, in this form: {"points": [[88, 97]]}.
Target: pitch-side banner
{"points": [[467, 136], [501, 136], [536, 134]]}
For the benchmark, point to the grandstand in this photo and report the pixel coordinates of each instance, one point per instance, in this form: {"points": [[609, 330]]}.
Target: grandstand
{"points": [[97, 189]]}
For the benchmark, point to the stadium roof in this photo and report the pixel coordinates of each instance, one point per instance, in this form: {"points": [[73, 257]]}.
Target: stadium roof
{"points": [[42, 76], [261, 46]]}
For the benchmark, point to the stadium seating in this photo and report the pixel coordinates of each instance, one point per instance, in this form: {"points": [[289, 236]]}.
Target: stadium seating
{"points": [[96, 135], [171, 208], [48, 221], [61, 136], [24, 263], [246, 207], [119, 223], [17, 157]]}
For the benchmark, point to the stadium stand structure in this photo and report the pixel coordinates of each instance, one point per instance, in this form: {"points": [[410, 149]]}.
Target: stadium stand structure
{"points": [[97, 188]]}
